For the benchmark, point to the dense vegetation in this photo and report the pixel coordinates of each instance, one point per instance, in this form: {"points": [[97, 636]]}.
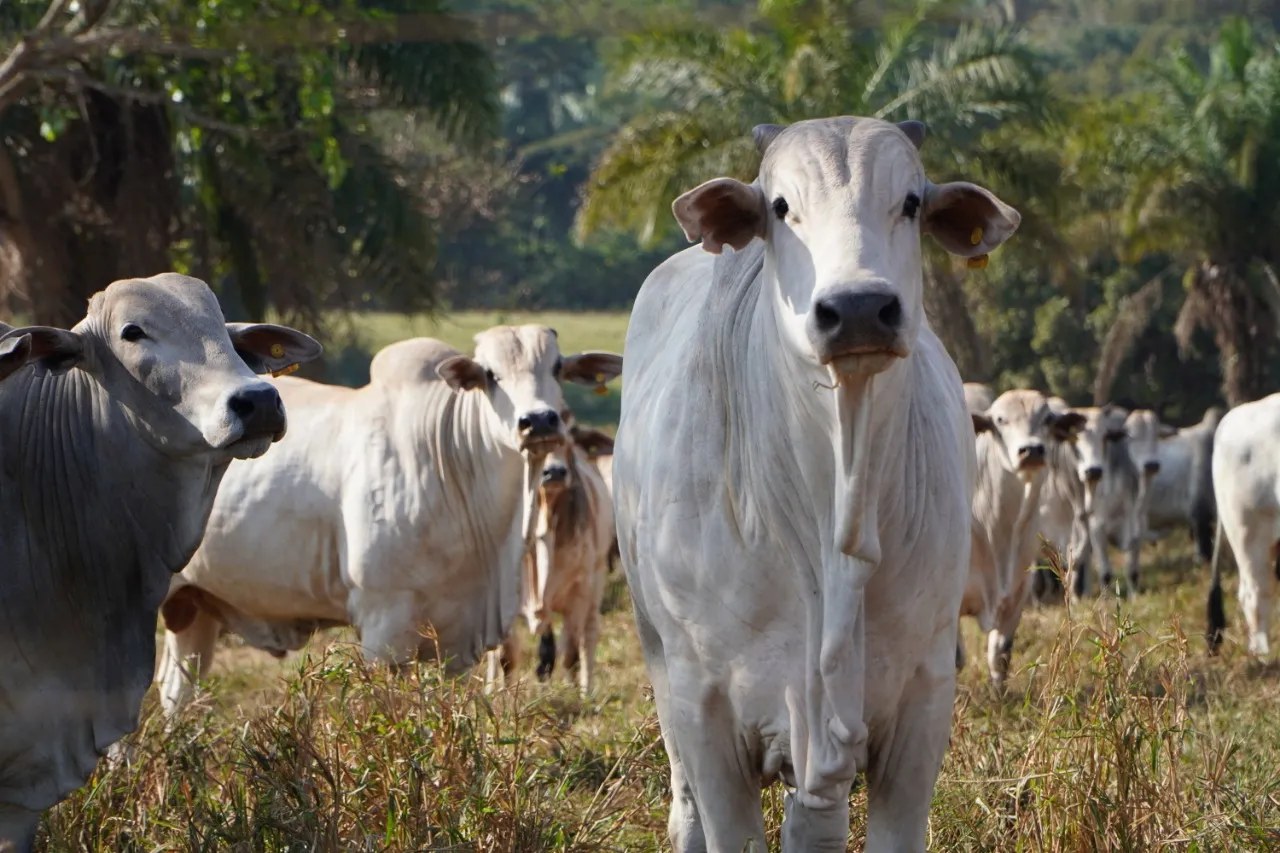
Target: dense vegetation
{"points": [[318, 157]]}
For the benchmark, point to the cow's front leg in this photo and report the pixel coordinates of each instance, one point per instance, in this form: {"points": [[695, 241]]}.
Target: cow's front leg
{"points": [[716, 807], [17, 829], [1098, 538], [805, 828], [389, 631], [1133, 567], [905, 760]]}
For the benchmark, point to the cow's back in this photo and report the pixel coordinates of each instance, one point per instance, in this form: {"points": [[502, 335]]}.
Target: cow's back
{"points": [[1246, 458]]}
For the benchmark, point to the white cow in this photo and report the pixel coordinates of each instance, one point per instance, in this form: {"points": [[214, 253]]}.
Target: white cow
{"points": [[1064, 516], [1180, 494], [1014, 439], [393, 507], [567, 573], [1246, 488], [1112, 482], [792, 480], [114, 436]]}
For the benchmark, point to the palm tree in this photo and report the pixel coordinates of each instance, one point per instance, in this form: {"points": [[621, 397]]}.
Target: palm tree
{"points": [[814, 59], [1204, 160], [979, 89]]}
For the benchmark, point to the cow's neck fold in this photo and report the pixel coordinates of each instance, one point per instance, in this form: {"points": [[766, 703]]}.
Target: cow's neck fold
{"points": [[492, 496], [94, 521]]}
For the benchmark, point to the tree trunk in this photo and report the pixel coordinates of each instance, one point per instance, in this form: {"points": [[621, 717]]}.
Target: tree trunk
{"points": [[948, 311], [1240, 322]]}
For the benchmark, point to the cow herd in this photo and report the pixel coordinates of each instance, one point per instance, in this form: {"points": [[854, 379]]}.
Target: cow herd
{"points": [[805, 498]]}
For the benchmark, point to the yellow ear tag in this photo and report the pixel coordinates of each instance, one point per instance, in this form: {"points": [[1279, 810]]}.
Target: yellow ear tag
{"points": [[285, 371], [600, 390], [976, 237], [277, 350], [977, 262]]}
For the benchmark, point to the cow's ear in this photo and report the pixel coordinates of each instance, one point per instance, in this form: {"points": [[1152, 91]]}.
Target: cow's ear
{"points": [[721, 212], [966, 219], [591, 368], [268, 348], [593, 441], [462, 373], [1167, 431], [982, 423], [1065, 425], [57, 350], [15, 352]]}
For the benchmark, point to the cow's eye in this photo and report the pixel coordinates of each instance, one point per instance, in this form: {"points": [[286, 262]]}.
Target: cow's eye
{"points": [[1000, 421], [780, 207], [911, 206], [555, 371], [132, 333], [491, 376]]}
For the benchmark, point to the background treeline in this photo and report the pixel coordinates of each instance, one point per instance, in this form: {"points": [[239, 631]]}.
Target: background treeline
{"points": [[316, 159]]}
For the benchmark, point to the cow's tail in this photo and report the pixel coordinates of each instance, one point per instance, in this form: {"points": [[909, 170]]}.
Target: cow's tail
{"points": [[1216, 614]]}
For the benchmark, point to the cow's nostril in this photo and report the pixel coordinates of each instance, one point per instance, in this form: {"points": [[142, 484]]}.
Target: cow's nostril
{"points": [[524, 423], [553, 420], [241, 406], [825, 316], [891, 313]]}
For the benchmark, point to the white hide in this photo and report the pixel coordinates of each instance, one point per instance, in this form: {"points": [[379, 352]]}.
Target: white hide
{"points": [[1246, 488]]}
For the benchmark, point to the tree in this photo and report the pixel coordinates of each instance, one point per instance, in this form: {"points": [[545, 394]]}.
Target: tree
{"points": [[1204, 156], [230, 139]]}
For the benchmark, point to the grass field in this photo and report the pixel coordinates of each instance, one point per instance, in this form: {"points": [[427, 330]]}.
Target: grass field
{"points": [[349, 360], [1117, 733]]}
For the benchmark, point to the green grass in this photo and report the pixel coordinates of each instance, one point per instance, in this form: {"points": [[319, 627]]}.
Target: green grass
{"points": [[355, 343], [1117, 733]]}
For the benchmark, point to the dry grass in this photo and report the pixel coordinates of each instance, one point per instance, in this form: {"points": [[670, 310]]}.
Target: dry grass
{"points": [[1117, 734]]}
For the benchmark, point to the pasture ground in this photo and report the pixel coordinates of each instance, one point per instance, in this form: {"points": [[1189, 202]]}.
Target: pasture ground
{"points": [[1117, 733]]}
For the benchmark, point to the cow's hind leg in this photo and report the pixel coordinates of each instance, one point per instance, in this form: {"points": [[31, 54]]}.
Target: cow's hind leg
{"points": [[186, 659], [904, 763], [1257, 587], [546, 651]]}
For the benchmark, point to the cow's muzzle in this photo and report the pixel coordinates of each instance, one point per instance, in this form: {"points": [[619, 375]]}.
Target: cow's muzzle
{"points": [[540, 430], [1093, 474], [1151, 467], [857, 323], [1030, 457], [555, 475]]}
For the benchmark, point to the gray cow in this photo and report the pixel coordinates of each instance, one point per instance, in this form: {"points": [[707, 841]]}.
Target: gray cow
{"points": [[114, 436]]}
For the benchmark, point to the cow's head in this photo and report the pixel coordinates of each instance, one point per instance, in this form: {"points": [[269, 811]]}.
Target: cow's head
{"points": [[520, 369], [560, 468], [1102, 436], [1145, 430], [1024, 425], [841, 204], [162, 349]]}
